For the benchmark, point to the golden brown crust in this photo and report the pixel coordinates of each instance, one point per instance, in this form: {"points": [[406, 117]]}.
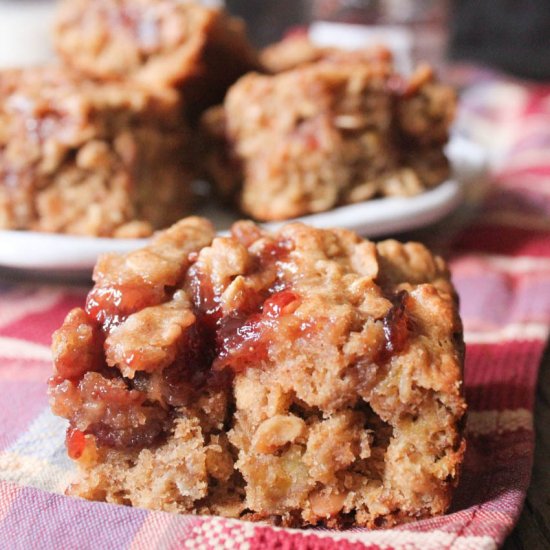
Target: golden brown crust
{"points": [[83, 158], [170, 43], [342, 129], [303, 377]]}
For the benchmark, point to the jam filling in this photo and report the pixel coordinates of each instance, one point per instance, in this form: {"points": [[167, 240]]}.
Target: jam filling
{"points": [[103, 405], [111, 305], [396, 327], [123, 413], [243, 341], [75, 442], [240, 340]]}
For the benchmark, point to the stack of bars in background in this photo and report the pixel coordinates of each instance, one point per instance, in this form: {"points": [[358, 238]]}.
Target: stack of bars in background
{"points": [[100, 142], [110, 140]]}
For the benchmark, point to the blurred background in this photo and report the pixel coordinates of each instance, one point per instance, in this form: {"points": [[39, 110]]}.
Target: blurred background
{"points": [[508, 35]]}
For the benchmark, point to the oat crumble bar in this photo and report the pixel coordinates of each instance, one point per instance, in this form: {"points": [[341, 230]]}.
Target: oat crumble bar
{"points": [[174, 43], [90, 159], [302, 377], [339, 130]]}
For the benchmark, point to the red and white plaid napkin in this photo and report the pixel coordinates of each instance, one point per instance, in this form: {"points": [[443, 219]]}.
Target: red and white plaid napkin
{"points": [[501, 267]]}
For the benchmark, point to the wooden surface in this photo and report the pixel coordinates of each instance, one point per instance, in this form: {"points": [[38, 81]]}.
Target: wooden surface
{"points": [[533, 529]]}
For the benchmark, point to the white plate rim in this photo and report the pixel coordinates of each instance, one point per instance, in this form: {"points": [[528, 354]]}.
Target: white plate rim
{"points": [[29, 250]]}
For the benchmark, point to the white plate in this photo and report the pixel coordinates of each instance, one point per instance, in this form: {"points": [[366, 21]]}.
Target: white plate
{"points": [[45, 252]]}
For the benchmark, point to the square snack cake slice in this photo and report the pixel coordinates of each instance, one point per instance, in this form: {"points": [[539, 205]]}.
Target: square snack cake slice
{"points": [[85, 158], [176, 43], [303, 377], [341, 129]]}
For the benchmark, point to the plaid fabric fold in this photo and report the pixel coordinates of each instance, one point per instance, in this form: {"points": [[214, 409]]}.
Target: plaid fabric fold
{"points": [[501, 267]]}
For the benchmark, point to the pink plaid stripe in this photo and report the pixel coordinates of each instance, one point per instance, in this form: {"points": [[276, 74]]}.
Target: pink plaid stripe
{"points": [[501, 267]]}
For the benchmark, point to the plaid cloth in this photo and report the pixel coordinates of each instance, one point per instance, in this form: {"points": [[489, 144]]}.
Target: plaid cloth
{"points": [[501, 266]]}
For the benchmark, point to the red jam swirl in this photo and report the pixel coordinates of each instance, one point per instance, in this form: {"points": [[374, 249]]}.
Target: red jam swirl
{"points": [[75, 441], [243, 341], [123, 413], [111, 305], [396, 327]]}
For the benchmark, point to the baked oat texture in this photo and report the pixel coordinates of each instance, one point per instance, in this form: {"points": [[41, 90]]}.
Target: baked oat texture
{"points": [[91, 159], [174, 43], [341, 129], [303, 377], [297, 50]]}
